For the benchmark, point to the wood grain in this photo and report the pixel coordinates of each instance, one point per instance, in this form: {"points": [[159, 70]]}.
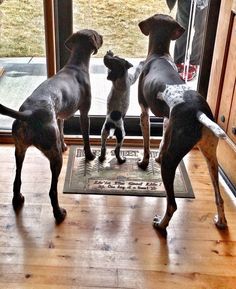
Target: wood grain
{"points": [[219, 56], [225, 109], [108, 241], [221, 93]]}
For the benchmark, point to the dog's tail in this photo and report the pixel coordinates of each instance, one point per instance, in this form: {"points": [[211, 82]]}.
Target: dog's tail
{"points": [[21, 115], [214, 127]]}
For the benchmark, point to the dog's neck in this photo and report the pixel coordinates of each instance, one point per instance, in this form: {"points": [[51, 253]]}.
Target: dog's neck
{"points": [[80, 57], [158, 44], [121, 82]]}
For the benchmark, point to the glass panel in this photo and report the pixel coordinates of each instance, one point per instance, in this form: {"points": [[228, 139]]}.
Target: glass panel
{"points": [[117, 21], [188, 48], [22, 52]]}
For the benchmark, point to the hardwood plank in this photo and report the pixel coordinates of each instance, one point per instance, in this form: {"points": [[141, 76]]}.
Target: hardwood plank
{"points": [[152, 280], [52, 286], [108, 241], [168, 262], [51, 276]]}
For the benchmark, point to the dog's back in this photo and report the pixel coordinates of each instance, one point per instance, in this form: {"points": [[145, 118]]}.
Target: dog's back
{"points": [[119, 96]]}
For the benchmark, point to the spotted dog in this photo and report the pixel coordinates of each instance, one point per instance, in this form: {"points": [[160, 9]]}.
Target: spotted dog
{"points": [[188, 120], [39, 121], [117, 101]]}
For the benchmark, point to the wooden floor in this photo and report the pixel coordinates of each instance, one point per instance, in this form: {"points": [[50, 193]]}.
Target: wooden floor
{"points": [[108, 241]]}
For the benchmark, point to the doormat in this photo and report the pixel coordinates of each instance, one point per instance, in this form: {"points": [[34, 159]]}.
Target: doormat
{"points": [[111, 178]]}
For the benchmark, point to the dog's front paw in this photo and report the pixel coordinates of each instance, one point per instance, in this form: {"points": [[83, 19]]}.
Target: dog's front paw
{"points": [[59, 215], [101, 158], [157, 225], [121, 160], [89, 156], [64, 147], [158, 159], [220, 223], [143, 164], [18, 202]]}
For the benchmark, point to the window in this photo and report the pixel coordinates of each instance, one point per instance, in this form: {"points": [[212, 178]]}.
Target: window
{"points": [[22, 52], [117, 21]]}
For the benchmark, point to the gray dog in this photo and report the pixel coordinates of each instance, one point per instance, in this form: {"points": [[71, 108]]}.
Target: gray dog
{"points": [[39, 121], [117, 101]]}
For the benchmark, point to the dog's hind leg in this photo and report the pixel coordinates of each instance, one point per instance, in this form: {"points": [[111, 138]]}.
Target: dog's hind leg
{"points": [[145, 128], [18, 198], [120, 134], [104, 136], [165, 124], [173, 150], [208, 147], [60, 123], [85, 125], [51, 148], [54, 156]]}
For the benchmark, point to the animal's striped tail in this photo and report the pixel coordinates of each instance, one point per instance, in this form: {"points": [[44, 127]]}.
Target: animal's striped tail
{"points": [[214, 127], [21, 115]]}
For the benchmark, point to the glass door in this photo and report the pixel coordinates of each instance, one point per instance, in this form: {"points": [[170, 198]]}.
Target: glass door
{"points": [[22, 23], [189, 47], [22, 52], [118, 22]]}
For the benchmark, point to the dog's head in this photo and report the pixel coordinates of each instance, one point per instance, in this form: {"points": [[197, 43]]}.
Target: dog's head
{"points": [[164, 24], [116, 66], [87, 37]]}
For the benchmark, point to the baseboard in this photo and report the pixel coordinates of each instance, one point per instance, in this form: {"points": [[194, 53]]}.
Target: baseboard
{"points": [[129, 141], [227, 181]]}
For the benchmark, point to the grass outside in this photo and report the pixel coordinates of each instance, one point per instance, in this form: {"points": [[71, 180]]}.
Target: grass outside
{"points": [[21, 28], [22, 25]]}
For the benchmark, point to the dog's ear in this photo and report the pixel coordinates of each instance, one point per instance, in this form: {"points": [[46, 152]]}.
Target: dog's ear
{"points": [[110, 53], [177, 32], [96, 41], [92, 37], [69, 43], [145, 26], [171, 3], [128, 64]]}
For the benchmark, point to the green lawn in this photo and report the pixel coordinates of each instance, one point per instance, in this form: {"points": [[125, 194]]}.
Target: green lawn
{"points": [[22, 25]]}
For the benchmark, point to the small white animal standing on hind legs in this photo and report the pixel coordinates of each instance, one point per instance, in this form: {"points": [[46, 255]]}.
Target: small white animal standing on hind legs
{"points": [[39, 121], [117, 101], [188, 118]]}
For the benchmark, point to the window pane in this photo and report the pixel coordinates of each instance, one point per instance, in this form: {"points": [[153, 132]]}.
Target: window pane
{"points": [[117, 21], [187, 50], [22, 52]]}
